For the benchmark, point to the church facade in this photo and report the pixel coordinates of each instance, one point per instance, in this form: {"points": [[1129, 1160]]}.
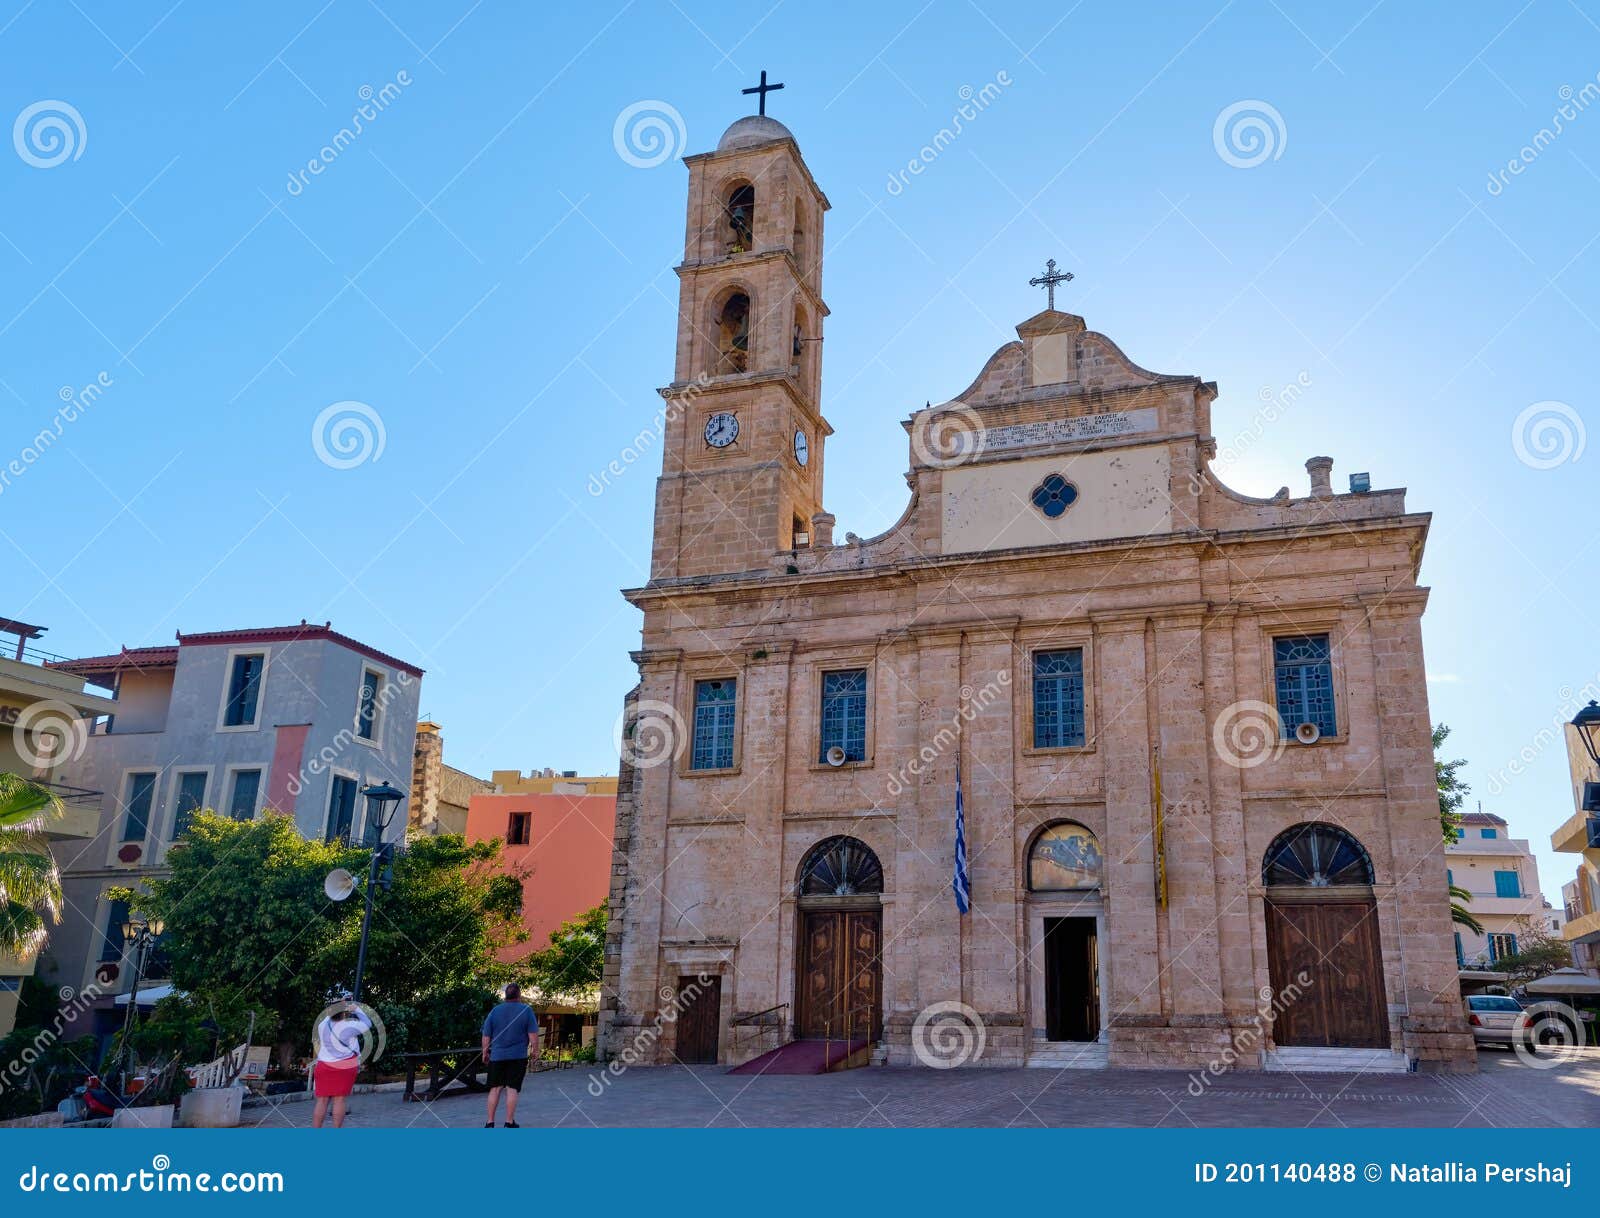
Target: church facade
{"points": [[1189, 728]]}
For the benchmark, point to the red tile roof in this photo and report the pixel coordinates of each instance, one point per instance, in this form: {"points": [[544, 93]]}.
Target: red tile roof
{"points": [[144, 658], [1481, 818], [135, 659], [294, 634]]}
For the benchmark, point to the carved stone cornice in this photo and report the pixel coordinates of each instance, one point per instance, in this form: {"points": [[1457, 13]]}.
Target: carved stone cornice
{"points": [[657, 657], [1399, 602]]}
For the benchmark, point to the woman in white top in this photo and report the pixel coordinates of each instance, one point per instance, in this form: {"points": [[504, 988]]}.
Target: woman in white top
{"points": [[338, 1059]]}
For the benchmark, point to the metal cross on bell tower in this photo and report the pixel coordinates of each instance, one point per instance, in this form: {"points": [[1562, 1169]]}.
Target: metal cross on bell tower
{"points": [[1048, 281], [762, 90]]}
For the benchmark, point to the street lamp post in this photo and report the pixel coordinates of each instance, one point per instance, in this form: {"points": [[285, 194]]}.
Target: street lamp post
{"points": [[139, 934], [1587, 725], [1587, 721], [382, 802]]}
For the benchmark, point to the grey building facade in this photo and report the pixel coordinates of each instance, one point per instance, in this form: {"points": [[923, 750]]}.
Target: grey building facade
{"points": [[296, 719]]}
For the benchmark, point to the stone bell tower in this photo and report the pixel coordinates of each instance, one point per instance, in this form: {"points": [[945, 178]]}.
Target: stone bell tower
{"points": [[741, 478]]}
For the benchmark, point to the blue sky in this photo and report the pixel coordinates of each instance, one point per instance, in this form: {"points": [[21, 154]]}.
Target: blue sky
{"points": [[483, 270]]}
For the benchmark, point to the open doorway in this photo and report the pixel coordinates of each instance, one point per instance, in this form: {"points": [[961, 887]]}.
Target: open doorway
{"points": [[1071, 979]]}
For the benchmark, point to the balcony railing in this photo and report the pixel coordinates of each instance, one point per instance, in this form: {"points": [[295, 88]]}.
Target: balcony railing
{"points": [[74, 797], [1488, 845]]}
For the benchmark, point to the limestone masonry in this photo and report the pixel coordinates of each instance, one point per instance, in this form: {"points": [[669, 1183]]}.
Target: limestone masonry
{"points": [[1192, 727]]}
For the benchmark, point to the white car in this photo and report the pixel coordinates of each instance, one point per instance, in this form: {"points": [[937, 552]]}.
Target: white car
{"points": [[1498, 1020]]}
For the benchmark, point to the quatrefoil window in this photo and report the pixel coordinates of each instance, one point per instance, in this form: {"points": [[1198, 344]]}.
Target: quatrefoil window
{"points": [[1054, 496]]}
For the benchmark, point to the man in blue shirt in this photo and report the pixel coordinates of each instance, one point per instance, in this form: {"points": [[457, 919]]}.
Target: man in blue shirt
{"points": [[510, 1036]]}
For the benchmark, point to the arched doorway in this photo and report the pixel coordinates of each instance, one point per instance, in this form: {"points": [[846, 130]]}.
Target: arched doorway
{"points": [[839, 982], [1323, 949], [1065, 870]]}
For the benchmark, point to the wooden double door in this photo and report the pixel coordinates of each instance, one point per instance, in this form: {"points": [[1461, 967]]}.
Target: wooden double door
{"points": [[1327, 974], [840, 990]]}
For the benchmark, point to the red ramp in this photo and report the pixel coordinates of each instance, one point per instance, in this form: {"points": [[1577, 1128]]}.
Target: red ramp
{"points": [[809, 1057]]}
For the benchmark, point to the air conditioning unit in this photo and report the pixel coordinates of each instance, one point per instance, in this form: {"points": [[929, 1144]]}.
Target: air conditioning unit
{"points": [[1591, 797], [1308, 733], [836, 756]]}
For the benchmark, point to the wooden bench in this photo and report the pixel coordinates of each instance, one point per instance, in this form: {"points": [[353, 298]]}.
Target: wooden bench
{"points": [[445, 1068]]}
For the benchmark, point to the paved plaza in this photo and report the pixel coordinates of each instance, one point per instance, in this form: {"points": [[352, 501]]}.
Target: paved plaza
{"points": [[1505, 1092]]}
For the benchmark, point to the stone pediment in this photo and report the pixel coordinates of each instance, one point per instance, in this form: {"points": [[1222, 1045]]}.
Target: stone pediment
{"points": [[1059, 387], [1056, 355]]}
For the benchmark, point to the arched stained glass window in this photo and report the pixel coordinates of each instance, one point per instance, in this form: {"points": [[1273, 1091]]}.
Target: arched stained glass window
{"points": [[1315, 855], [840, 867], [1064, 858]]}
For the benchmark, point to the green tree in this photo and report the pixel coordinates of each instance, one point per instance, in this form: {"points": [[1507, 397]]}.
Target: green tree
{"points": [[575, 958], [1453, 790], [1452, 794], [246, 917], [197, 1027], [1458, 910], [441, 925], [30, 885], [249, 926], [1538, 953], [42, 1069]]}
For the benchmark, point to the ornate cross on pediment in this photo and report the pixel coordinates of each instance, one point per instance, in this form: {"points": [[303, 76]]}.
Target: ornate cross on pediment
{"points": [[1048, 281]]}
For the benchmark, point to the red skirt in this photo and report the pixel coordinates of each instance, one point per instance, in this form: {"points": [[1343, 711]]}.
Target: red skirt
{"points": [[332, 1079]]}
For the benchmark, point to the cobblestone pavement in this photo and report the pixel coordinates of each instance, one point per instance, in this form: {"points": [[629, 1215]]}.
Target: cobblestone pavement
{"points": [[1505, 1092]]}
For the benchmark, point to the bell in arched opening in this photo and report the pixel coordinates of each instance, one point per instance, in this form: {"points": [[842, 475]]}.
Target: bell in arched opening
{"points": [[741, 219], [733, 334]]}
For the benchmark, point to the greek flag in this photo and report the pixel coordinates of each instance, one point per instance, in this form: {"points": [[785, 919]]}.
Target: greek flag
{"points": [[960, 883]]}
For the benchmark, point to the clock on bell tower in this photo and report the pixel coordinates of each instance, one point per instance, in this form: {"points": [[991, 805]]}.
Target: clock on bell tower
{"points": [[741, 472]]}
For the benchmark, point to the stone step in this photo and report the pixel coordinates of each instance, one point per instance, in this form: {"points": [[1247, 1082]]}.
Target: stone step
{"points": [[1068, 1055], [1294, 1060]]}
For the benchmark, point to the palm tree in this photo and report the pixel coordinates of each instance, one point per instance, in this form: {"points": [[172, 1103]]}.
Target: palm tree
{"points": [[30, 884], [1458, 912]]}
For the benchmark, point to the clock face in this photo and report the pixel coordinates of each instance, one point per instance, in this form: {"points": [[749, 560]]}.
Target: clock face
{"points": [[802, 450], [722, 429]]}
